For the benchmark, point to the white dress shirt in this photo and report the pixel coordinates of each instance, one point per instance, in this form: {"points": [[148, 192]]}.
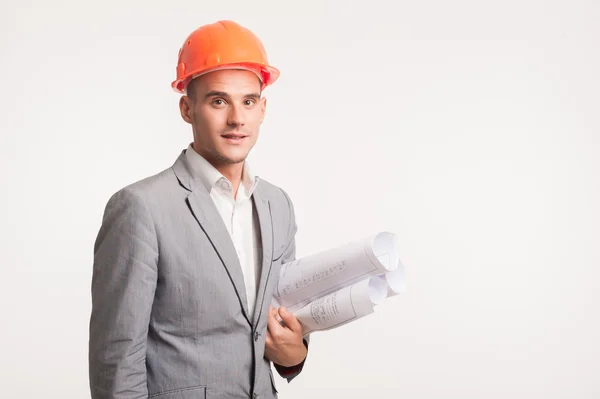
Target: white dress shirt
{"points": [[238, 215]]}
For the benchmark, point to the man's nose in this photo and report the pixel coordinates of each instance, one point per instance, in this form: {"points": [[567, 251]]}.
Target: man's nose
{"points": [[236, 116]]}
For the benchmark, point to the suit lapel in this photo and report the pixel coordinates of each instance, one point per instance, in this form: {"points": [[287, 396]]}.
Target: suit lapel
{"points": [[207, 215], [263, 210]]}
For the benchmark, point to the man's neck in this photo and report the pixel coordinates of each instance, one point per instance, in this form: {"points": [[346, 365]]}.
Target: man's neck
{"points": [[232, 172]]}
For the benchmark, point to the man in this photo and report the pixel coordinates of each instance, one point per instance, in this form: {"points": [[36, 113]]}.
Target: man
{"points": [[186, 261]]}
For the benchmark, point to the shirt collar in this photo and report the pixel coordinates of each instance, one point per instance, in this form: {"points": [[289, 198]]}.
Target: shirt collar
{"points": [[210, 176]]}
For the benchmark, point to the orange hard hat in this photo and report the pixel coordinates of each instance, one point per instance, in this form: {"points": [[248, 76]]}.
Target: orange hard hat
{"points": [[222, 45]]}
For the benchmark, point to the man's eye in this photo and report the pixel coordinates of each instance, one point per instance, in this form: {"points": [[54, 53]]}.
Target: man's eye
{"points": [[218, 101], [250, 102]]}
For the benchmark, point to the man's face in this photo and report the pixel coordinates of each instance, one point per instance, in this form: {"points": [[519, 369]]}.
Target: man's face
{"points": [[225, 111]]}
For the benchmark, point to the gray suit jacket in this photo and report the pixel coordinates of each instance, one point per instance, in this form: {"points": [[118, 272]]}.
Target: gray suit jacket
{"points": [[169, 312]]}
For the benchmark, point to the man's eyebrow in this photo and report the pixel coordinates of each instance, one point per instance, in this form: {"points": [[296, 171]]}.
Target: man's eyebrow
{"points": [[215, 93]]}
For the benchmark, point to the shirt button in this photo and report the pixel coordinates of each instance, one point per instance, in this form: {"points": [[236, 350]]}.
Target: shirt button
{"points": [[255, 395], [256, 334]]}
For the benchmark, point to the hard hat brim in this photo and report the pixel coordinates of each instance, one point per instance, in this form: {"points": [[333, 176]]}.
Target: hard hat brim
{"points": [[267, 74]]}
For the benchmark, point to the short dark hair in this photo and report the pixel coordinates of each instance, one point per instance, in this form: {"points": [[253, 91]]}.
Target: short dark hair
{"points": [[191, 91]]}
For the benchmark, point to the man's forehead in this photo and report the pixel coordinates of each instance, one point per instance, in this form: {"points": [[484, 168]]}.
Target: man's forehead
{"points": [[232, 81]]}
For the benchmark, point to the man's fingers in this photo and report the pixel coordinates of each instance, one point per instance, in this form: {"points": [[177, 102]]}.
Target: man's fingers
{"points": [[268, 339], [275, 313], [272, 312], [273, 326], [290, 320]]}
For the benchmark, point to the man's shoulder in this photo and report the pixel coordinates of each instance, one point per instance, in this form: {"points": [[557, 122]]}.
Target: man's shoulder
{"points": [[153, 183], [151, 187]]}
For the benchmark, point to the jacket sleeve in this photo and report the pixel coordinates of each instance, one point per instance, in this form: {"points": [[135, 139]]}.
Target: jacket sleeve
{"points": [[123, 284], [289, 255]]}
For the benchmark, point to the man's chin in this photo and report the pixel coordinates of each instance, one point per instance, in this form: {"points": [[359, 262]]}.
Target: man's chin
{"points": [[231, 159]]}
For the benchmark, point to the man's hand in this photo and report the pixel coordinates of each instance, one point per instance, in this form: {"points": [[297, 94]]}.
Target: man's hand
{"points": [[284, 345]]}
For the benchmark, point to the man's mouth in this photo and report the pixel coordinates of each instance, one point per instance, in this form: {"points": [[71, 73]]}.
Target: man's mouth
{"points": [[233, 137]]}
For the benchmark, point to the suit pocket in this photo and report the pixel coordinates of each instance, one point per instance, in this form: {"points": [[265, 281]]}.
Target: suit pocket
{"points": [[196, 392]]}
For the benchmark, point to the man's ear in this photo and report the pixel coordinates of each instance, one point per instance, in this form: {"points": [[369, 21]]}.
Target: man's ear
{"points": [[185, 108], [263, 108]]}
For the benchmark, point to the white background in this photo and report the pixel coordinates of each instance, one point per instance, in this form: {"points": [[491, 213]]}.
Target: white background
{"points": [[468, 128]]}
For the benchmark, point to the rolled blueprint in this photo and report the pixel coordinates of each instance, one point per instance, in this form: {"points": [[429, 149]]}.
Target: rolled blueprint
{"points": [[309, 278], [395, 280], [342, 306]]}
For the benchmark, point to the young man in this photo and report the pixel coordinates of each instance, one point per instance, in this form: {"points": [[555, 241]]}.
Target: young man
{"points": [[186, 261]]}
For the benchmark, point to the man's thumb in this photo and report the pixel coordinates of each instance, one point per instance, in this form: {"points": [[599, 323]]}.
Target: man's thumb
{"points": [[288, 318]]}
